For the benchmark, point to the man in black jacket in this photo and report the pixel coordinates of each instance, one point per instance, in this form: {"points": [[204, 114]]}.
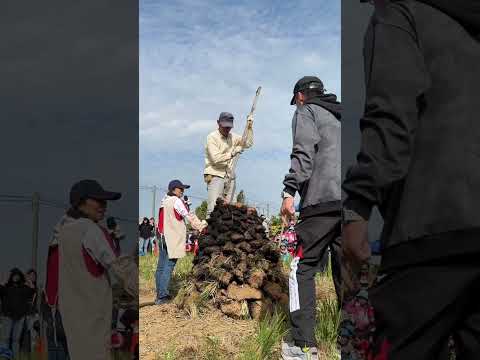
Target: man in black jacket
{"points": [[419, 164], [315, 175]]}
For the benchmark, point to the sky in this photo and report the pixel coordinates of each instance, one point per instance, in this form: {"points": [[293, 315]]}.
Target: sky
{"points": [[199, 58], [69, 112]]}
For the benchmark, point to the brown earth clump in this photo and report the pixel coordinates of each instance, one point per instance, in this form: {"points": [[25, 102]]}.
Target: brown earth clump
{"points": [[241, 262]]}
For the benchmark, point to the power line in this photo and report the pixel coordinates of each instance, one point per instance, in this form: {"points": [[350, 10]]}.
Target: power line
{"points": [[261, 205], [15, 200], [15, 196]]}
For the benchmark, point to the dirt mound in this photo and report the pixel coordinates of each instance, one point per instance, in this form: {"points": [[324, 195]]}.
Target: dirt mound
{"points": [[237, 266]]}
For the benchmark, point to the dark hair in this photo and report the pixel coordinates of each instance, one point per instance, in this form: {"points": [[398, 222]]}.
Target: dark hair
{"points": [[31, 271], [171, 193], [13, 272]]}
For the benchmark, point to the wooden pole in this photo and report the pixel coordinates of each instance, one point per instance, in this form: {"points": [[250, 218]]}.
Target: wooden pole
{"points": [[35, 228], [154, 200]]}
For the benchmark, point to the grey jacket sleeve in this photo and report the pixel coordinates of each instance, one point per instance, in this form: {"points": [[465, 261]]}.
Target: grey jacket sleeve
{"points": [[305, 140], [396, 79]]}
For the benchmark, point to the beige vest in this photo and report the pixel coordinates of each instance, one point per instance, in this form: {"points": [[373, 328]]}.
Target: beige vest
{"points": [[85, 301], [175, 230]]}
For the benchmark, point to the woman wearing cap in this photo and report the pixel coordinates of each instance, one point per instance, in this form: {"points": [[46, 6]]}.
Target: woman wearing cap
{"points": [[80, 257], [172, 244]]}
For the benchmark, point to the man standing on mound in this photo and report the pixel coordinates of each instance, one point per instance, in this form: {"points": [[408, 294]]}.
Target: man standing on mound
{"points": [[222, 146]]}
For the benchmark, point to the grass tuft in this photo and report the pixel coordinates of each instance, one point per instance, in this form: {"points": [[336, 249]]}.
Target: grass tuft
{"points": [[264, 344]]}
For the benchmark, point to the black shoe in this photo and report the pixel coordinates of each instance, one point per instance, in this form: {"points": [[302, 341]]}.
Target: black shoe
{"points": [[163, 300]]}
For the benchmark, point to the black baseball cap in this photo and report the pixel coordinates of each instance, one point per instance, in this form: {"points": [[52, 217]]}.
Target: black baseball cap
{"points": [[225, 119], [174, 184], [90, 189], [306, 82]]}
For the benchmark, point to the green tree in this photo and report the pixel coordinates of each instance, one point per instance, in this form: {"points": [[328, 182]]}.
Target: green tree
{"points": [[275, 225], [201, 211], [241, 197]]}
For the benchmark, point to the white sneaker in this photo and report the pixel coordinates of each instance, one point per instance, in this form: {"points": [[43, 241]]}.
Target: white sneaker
{"points": [[293, 352]]}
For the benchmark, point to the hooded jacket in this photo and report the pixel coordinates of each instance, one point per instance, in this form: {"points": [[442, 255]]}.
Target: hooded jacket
{"points": [[315, 159], [16, 296], [145, 229], [420, 145]]}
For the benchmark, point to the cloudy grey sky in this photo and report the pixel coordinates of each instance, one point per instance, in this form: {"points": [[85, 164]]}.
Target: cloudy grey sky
{"points": [[69, 111], [199, 57]]}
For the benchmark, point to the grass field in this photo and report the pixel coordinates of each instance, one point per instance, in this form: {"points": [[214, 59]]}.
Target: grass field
{"points": [[261, 339]]}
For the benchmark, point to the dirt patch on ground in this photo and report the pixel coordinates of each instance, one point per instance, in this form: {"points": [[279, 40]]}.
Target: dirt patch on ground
{"points": [[165, 328]]}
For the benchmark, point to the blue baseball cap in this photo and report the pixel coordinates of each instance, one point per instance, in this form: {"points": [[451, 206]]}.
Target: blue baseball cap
{"points": [[177, 184], [226, 119]]}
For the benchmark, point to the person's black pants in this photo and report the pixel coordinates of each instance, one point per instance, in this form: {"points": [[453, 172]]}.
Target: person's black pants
{"points": [[419, 307], [315, 235]]}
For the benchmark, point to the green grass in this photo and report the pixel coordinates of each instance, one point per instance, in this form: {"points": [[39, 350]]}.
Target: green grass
{"points": [[25, 356], [265, 343], [170, 354], [326, 329], [148, 266], [211, 348]]}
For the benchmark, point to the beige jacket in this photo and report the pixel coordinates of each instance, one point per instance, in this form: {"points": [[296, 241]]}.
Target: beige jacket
{"points": [[218, 151], [174, 229], [85, 301]]}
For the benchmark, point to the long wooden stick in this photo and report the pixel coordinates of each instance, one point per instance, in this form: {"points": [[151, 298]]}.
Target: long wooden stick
{"points": [[233, 162]]}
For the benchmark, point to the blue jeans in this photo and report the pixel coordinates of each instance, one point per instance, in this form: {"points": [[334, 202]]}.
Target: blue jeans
{"points": [[10, 333], [164, 271], [149, 243], [141, 246]]}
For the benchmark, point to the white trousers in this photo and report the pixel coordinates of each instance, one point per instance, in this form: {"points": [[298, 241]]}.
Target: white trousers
{"points": [[215, 189]]}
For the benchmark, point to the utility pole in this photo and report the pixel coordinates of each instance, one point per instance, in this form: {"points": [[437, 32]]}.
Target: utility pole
{"points": [[268, 210], [35, 226], [154, 189]]}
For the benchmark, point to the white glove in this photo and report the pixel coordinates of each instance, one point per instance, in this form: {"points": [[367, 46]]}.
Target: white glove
{"points": [[249, 121], [237, 150]]}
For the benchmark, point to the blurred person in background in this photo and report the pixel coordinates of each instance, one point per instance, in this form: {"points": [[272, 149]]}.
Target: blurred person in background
{"points": [[17, 300], [152, 240], [115, 232], [145, 233], [32, 319]]}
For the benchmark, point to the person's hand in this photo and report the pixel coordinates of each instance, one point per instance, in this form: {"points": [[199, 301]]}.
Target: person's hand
{"points": [[355, 245], [249, 121], [237, 150], [288, 210]]}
